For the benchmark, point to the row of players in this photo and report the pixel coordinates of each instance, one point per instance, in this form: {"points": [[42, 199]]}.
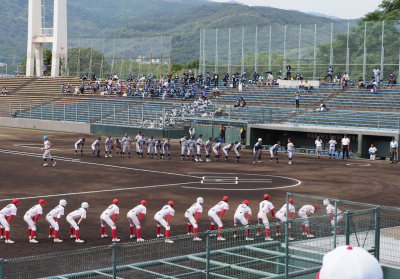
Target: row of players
{"points": [[135, 215]]}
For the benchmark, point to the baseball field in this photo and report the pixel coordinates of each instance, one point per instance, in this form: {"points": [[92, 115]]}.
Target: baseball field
{"points": [[99, 180]]}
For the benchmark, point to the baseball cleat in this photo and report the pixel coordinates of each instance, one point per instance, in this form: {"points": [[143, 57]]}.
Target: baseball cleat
{"points": [[30, 237], [258, 234], [9, 241], [278, 234], [72, 236], [304, 233], [268, 239], [54, 164], [189, 233], [221, 239], [57, 240], [248, 238], [310, 236], [116, 240], [200, 160], [290, 162], [105, 156], [98, 156], [254, 162], [33, 241], [79, 241], [196, 160], [291, 238], [110, 156], [140, 240], [197, 239], [234, 235], [104, 236], [259, 161], [132, 236], [51, 236], [160, 235], [45, 165], [1, 237], [169, 241]]}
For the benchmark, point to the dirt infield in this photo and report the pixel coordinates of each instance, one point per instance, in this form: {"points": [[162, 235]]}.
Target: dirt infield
{"points": [[99, 180]]}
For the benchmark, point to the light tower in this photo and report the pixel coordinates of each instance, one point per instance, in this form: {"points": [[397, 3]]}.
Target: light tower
{"points": [[39, 35]]}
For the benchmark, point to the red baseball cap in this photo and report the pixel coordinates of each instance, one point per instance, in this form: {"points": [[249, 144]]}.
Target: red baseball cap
{"points": [[41, 201], [15, 201]]}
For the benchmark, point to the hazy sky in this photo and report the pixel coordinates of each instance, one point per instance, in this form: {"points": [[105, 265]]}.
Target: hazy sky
{"points": [[347, 9]]}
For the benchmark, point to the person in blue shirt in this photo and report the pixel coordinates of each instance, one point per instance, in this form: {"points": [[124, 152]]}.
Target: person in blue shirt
{"points": [[330, 73], [392, 79]]}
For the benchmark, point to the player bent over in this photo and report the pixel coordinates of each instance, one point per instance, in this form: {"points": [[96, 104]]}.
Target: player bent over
{"points": [[150, 147], [240, 212], [274, 151], [31, 217], [126, 142], [46, 148], [159, 145], [79, 145], [257, 151], [305, 213], [265, 207], [105, 217], [226, 150], [208, 149], [330, 209], [238, 147], [191, 144], [141, 143], [290, 149], [81, 214], [8, 212], [281, 216], [222, 207], [167, 210], [108, 146], [135, 221], [166, 147], [183, 143], [217, 150], [57, 212], [118, 147], [200, 146], [96, 147], [196, 208]]}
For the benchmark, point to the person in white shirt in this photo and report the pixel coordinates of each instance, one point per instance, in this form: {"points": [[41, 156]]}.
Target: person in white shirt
{"points": [[222, 207], [265, 207], [290, 150], [304, 213], [46, 148], [345, 146], [183, 143], [372, 152], [105, 217], [281, 216], [7, 212], [330, 209], [81, 214], [108, 146], [135, 221], [96, 147], [79, 145], [31, 217], [126, 145], [150, 147], [167, 210], [318, 146], [200, 146], [240, 213], [332, 148], [195, 209], [57, 212], [376, 74], [137, 139]]}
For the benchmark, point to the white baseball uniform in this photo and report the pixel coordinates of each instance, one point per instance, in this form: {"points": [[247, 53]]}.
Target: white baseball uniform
{"points": [[281, 214], [76, 214], [6, 212], [159, 145], [330, 209], [332, 146], [57, 212], [31, 214], [208, 147], [227, 148], [265, 207], [191, 144], [108, 143], [199, 146], [213, 213], [238, 147], [79, 144], [290, 146], [240, 213], [150, 146], [304, 211], [189, 214], [107, 214], [96, 145], [137, 138], [217, 148], [126, 144], [183, 145], [160, 215], [133, 215], [373, 151], [46, 148], [141, 143]]}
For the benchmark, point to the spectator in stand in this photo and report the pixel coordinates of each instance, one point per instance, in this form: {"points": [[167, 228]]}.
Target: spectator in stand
{"points": [[270, 79], [4, 91], [44, 69], [62, 89], [330, 73], [234, 80], [302, 85], [322, 106], [240, 84], [297, 98], [225, 79], [215, 92], [261, 80], [288, 72], [216, 77], [94, 76], [299, 76], [208, 79], [308, 86], [237, 104], [69, 88], [338, 78], [130, 78], [360, 83], [84, 77], [244, 77], [374, 88], [344, 80], [392, 79], [255, 77], [377, 74], [242, 102], [370, 85], [115, 77], [13, 114], [77, 91]]}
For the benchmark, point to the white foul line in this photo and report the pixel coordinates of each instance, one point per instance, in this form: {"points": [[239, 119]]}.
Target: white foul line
{"points": [[101, 191]]}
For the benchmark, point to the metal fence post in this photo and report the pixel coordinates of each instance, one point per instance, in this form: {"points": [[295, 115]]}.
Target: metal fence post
{"points": [[30, 110], [142, 114], [270, 115], [41, 110], [20, 109], [114, 261], [348, 215], [76, 112], [229, 113], [2, 261], [208, 248], [101, 113], [64, 113], [9, 107], [128, 116], [287, 237], [335, 226], [88, 112], [52, 111], [377, 231], [114, 116]]}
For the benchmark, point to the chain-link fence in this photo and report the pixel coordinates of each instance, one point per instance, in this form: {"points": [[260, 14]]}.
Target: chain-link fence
{"points": [[354, 47]]}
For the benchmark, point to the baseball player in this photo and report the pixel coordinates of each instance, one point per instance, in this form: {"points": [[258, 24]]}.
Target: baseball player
{"points": [[257, 151], [290, 150], [8, 212], [167, 210], [46, 148], [222, 207], [137, 138], [281, 216], [108, 146], [166, 147], [81, 214], [135, 221], [191, 143], [126, 145], [274, 151], [118, 147], [330, 209], [227, 148], [217, 150], [150, 147], [183, 143], [105, 217], [238, 147], [239, 216], [200, 146], [196, 208], [159, 145], [372, 152], [31, 217], [208, 149], [79, 145], [265, 207], [141, 143], [332, 148], [57, 212], [304, 213], [96, 147]]}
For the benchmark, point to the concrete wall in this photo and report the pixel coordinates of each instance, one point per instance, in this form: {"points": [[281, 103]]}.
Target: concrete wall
{"points": [[48, 125]]}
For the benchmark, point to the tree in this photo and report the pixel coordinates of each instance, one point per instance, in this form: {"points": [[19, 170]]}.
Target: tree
{"points": [[46, 60], [388, 10]]}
